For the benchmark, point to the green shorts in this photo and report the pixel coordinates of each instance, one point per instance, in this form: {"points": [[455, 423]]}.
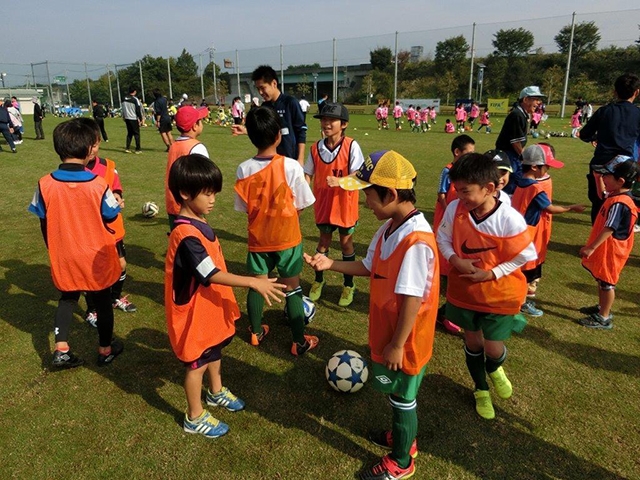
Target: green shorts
{"points": [[288, 262], [328, 228], [493, 326], [397, 382]]}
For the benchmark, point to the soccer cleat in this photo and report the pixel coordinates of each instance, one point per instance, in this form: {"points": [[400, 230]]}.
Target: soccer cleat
{"points": [[501, 383], [91, 317], [116, 349], [125, 305], [484, 407], [388, 469], [346, 298], [384, 439], [66, 359], [224, 398], [256, 339], [138, 152], [126, 150], [310, 342], [590, 310], [529, 308], [205, 425], [316, 291], [450, 327], [597, 321]]}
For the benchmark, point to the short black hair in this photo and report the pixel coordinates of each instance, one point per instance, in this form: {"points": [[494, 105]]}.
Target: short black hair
{"points": [[74, 138], [263, 126], [157, 93], [194, 174], [475, 168], [404, 195], [265, 73], [625, 85], [628, 171], [132, 89], [461, 141]]}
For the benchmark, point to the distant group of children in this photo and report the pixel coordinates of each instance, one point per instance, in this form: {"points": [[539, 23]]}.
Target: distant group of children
{"points": [[488, 248]]}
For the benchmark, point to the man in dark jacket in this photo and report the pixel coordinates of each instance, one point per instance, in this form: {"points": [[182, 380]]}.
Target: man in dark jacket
{"points": [[38, 115]]}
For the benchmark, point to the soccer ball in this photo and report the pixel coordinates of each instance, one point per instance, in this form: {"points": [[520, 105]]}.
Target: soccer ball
{"points": [[346, 371], [150, 209], [535, 134], [309, 310]]}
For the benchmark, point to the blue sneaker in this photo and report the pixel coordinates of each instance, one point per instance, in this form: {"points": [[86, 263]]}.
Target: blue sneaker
{"points": [[224, 398], [529, 308], [205, 425], [597, 321]]}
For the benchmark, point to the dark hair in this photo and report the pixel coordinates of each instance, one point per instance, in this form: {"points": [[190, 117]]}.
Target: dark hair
{"points": [[404, 195], [74, 138], [157, 93], [7, 103], [263, 126], [628, 171], [264, 73], [625, 85], [461, 141], [132, 89], [194, 174], [476, 169]]}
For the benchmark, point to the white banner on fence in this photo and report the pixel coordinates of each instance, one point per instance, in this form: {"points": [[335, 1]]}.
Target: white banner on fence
{"points": [[420, 102]]}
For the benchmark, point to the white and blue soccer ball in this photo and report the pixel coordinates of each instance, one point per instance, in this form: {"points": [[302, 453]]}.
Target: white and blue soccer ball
{"points": [[346, 371], [309, 310], [150, 209]]}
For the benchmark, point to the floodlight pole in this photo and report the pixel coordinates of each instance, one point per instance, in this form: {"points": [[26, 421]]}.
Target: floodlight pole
{"points": [[110, 87], [33, 76], [66, 79], [281, 69], [169, 74], [335, 72], [566, 75], [395, 72], [238, 73], [473, 56], [141, 80], [212, 54], [86, 74], [115, 67], [201, 78], [50, 87]]}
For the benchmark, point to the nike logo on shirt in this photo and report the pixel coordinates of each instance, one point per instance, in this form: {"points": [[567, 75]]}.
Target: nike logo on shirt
{"points": [[470, 251]]}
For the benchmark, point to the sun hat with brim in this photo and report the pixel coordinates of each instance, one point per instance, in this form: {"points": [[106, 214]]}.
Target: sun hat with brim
{"points": [[532, 91], [333, 110], [611, 165], [385, 168], [540, 155], [500, 158]]}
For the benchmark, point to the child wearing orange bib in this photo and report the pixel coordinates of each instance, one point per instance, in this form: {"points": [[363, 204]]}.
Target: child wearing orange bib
{"points": [[402, 266], [200, 306], [271, 190], [611, 240], [76, 209], [486, 242], [330, 159]]}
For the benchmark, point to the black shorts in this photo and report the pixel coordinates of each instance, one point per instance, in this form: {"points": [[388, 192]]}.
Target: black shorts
{"points": [[237, 120], [210, 355], [122, 253], [165, 126]]}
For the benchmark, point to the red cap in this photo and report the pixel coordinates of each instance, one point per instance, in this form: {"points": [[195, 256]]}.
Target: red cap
{"points": [[188, 116]]}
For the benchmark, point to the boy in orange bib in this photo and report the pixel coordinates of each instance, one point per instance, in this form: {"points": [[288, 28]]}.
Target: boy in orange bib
{"points": [[611, 239], [76, 209], [200, 306], [330, 159], [402, 266], [271, 190], [486, 242]]}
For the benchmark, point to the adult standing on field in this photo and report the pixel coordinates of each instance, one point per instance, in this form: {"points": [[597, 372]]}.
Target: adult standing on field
{"points": [[513, 136], [98, 115], [162, 118], [304, 106], [38, 115], [132, 115]]}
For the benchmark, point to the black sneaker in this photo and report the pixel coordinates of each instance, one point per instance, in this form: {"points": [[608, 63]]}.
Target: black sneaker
{"points": [[116, 349], [66, 360]]}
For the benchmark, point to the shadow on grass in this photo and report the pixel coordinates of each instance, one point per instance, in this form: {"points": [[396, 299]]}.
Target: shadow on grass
{"points": [[621, 294], [593, 357], [504, 448], [567, 248]]}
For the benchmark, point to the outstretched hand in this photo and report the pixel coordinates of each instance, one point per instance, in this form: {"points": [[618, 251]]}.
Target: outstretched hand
{"points": [[318, 262], [269, 289], [238, 130]]}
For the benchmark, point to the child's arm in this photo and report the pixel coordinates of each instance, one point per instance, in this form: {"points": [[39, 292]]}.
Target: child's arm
{"points": [[556, 209], [264, 286], [442, 200], [587, 250], [393, 352], [320, 262]]}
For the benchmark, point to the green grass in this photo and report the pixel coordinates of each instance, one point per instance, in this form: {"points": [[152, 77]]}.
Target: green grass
{"points": [[574, 413]]}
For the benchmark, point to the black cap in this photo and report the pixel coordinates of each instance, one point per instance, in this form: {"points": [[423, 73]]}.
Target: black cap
{"points": [[334, 110], [501, 158]]}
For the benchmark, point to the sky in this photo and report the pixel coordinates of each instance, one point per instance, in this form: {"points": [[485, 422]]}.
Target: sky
{"points": [[120, 32]]}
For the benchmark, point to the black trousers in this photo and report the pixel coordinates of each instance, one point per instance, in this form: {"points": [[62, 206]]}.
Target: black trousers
{"points": [[100, 122], [104, 310], [133, 131]]}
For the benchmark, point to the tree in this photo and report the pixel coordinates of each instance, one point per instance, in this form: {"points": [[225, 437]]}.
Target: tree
{"points": [[303, 66], [585, 88], [552, 81], [381, 59], [447, 84], [586, 36], [451, 52], [513, 42], [303, 87]]}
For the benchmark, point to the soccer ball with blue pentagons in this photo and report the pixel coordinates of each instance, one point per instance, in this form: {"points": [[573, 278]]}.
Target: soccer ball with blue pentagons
{"points": [[346, 371], [309, 310]]}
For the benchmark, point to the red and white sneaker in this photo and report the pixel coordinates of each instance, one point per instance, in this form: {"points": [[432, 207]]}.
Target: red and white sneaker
{"points": [[124, 304], [388, 469]]}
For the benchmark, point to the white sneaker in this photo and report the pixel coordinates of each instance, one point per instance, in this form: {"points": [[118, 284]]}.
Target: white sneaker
{"points": [[636, 228]]}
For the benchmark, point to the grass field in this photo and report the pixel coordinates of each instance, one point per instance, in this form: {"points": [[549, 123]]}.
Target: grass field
{"points": [[574, 413]]}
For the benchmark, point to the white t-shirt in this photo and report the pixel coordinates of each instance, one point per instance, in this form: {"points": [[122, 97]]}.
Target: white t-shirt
{"points": [[356, 158], [416, 273], [504, 197], [504, 221], [302, 194], [304, 105], [199, 148]]}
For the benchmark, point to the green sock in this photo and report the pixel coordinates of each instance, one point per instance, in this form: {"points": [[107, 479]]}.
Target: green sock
{"points": [[348, 279], [404, 429], [475, 364], [492, 364], [295, 312], [255, 305]]}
